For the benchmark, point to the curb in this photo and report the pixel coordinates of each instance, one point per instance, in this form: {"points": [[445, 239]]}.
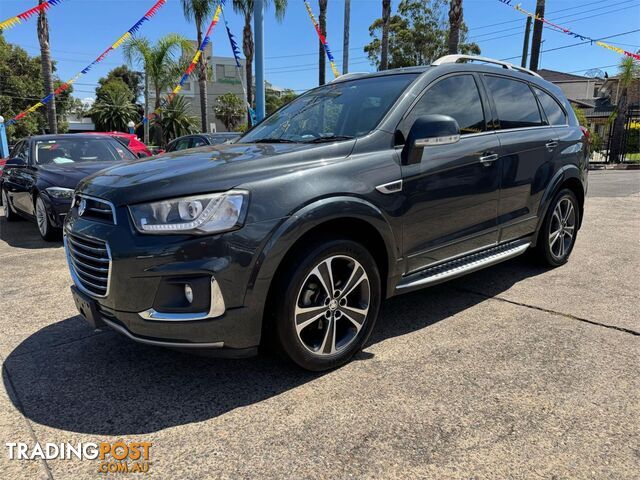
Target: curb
{"points": [[618, 166]]}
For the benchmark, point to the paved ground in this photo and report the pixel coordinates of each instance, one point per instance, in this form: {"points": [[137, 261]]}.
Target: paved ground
{"points": [[512, 372]]}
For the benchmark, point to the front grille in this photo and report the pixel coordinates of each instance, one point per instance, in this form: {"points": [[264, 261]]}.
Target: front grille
{"points": [[92, 208], [89, 261]]}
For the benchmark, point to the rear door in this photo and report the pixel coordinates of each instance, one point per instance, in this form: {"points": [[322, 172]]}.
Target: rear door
{"points": [[528, 145], [451, 196]]}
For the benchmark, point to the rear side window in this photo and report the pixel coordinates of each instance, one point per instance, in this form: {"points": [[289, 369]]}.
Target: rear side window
{"points": [[515, 103], [555, 113], [198, 142], [457, 97]]}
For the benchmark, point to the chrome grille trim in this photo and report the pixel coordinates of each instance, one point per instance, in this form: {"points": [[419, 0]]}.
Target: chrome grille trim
{"points": [[105, 214], [89, 263]]}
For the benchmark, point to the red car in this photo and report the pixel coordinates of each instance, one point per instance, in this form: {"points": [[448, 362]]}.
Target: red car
{"points": [[131, 141]]}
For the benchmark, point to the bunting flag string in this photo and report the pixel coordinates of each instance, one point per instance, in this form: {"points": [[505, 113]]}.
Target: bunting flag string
{"points": [[566, 31], [147, 16], [236, 55], [190, 68], [323, 39], [24, 16]]}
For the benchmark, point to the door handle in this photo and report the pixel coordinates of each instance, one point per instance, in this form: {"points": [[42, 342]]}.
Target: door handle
{"points": [[487, 160], [551, 144]]}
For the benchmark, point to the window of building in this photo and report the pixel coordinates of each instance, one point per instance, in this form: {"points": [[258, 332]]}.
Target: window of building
{"points": [[515, 103]]}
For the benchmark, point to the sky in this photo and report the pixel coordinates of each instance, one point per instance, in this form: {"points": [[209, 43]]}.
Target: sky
{"points": [[81, 29]]}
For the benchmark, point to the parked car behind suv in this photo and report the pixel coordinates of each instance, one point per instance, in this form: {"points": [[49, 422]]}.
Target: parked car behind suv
{"points": [[359, 190], [201, 140], [38, 179]]}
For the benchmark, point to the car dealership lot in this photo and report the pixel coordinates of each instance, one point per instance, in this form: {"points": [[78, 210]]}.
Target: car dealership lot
{"points": [[512, 372]]}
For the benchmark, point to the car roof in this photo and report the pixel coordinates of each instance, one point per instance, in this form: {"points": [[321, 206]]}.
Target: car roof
{"points": [[61, 136]]}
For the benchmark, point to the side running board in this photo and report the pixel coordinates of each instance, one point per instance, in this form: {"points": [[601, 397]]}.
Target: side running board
{"points": [[463, 265]]}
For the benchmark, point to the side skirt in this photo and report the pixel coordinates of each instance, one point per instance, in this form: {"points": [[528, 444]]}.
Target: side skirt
{"points": [[462, 265]]}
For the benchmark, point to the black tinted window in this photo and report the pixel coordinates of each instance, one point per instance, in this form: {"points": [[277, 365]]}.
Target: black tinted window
{"points": [[457, 97], [516, 105], [554, 112]]}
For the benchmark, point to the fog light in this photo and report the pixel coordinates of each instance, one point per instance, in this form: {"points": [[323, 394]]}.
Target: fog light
{"points": [[188, 292]]}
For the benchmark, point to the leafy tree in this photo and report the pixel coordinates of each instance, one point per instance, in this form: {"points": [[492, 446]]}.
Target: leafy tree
{"points": [[245, 8], [132, 79], [274, 101], [113, 109], [200, 11], [47, 67], [176, 119], [229, 109], [629, 70], [163, 63], [21, 86], [418, 34]]}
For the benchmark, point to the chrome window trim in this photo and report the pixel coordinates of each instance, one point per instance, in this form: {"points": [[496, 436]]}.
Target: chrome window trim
{"points": [[74, 276], [102, 200], [216, 309]]}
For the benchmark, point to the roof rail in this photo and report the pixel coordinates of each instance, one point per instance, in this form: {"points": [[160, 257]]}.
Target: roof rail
{"points": [[347, 76], [475, 58]]}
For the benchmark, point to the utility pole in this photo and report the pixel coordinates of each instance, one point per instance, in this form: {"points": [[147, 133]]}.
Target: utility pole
{"points": [[537, 36], [258, 28], [146, 108], [525, 45], [345, 41]]}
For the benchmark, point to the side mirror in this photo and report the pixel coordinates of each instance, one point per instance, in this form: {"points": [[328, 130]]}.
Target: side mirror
{"points": [[16, 163], [426, 131]]}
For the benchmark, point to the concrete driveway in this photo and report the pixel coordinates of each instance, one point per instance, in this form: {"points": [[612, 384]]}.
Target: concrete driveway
{"points": [[513, 372]]}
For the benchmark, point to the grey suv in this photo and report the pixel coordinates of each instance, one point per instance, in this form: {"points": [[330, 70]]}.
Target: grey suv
{"points": [[359, 190]]}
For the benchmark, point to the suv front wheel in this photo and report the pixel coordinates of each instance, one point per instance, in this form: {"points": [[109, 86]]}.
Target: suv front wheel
{"points": [[330, 304]]}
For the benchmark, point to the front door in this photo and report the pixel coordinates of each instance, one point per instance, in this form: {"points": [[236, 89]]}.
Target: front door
{"points": [[452, 194]]}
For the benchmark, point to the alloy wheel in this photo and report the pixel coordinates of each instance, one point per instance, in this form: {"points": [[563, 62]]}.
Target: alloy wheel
{"points": [[332, 305], [562, 228], [41, 217]]}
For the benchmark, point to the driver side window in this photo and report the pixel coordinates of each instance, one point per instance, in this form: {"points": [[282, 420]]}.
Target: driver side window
{"points": [[21, 151], [458, 97]]}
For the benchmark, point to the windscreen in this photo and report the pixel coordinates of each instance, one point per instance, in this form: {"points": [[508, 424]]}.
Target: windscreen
{"points": [[77, 150], [345, 109]]}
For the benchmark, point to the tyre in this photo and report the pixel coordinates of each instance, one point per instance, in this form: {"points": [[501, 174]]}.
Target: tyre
{"points": [[9, 214], [330, 302], [559, 229], [47, 231]]}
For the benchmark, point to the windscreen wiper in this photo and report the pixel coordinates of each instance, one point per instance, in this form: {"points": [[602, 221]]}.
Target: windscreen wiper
{"points": [[273, 140], [329, 138]]}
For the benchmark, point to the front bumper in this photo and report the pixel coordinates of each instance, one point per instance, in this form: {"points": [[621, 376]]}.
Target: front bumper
{"points": [[140, 264]]}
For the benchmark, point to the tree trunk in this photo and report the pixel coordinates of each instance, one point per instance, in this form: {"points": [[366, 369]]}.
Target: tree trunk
{"points": [[455, 21], [202, 82], [247, 48], [384, 47], [322, 63], [537, 37], [345, 39], [617, 135], [158, 126], [47, 69]]}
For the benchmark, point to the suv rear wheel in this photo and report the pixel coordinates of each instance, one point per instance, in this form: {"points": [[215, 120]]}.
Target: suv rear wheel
{"points": [[559, 229], [331, 302]]}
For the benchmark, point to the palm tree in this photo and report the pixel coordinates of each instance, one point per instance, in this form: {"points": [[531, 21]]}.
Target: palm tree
{"points": [[176, 120], [47, 69], [386, 17], [113, 111], [245, 8], [629, 71], [322, 21], [199, 11], [163, 62], [455, 22]]}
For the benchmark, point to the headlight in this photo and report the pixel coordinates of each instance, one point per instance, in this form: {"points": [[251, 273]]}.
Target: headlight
{"points": [[59, 192], [211, 213]]}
